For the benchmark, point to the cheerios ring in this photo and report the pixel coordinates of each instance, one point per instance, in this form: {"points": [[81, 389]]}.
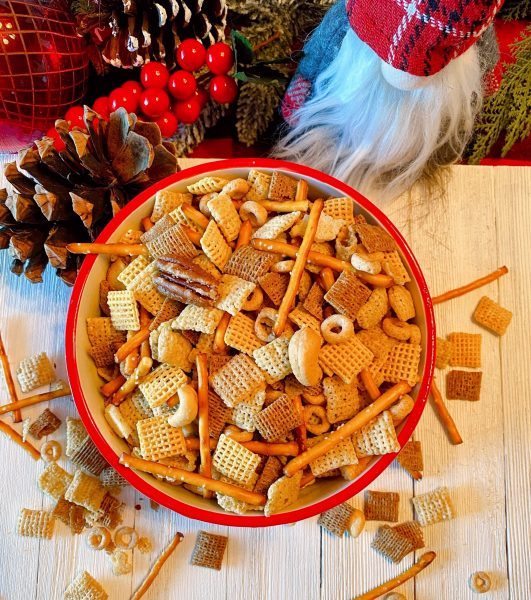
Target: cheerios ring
{"points": [[395, 328], [254, 300], [51, 451], [315, 419], [263, 326], [98, 538], [330, 325], [125, 538]]}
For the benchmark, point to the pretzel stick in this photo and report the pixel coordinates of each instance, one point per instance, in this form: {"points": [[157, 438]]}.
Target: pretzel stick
{"points": [[112, 386], [350, 472], [205, 465], [133, 342], [327, 278], [285, 206], [116, 249], [444, 416], [193, 236], [131, 362], [147, 223], [473, 285], [369, 383], [192, 443], [154, 571], [145, 321], [314, 258], [380, 280], [64, 390], [273, 449], [298, 268], [219, 345], [194, 215], [17, 438], [355, 424], [301, 192], [301, 435], [244, 237], [425, 560], [195, 479], [10, 384]]}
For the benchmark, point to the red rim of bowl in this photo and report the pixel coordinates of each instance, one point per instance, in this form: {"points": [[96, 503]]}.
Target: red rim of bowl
{"points": [[226, 518]]}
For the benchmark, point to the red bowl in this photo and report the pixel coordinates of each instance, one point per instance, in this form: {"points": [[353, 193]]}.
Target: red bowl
{"points": [[84, 381]]}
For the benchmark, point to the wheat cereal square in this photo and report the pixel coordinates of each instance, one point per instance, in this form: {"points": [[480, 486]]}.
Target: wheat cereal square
{"points": [[282, 493], [336, 519], [381, 506], [346, 359], [340, 455], [378, 342], [433, 507], [238, 380], [234, 460], [278, 419], [270, 473], [34, 372], [282, 187], [75, 435], [35, 523], [466, 350], [209, 550], [54, 480], [47, 422], [463, 385], [240, 335], [172, 242], [110, 478], [377, 437], [492, 316], [342, 399], [87, 457], [158, 439], [410, 457], [413, 532], [85, 587], [313, 302], [275, 286], [259, 185], [233, 293], [348, 294], [374, 238], [250, 264], [85, 491], [391, 544]]}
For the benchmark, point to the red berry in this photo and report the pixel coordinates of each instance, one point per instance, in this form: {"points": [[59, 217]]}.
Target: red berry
{"points": [[154, 75], [123, 98], [182, 85], [75, 115], [187, 111], [220, 58], [133, 86], [154, 102], [202, 95], [101, 106], [190, 55], [223, 89], [58, 143], [167, 124]]}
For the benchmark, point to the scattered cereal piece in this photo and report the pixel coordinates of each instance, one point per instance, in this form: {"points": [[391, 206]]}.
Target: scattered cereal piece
{"points": [[47, 422], [381, 506], [226, 216], [87, 457], [444, 352], [240, 334], [271, 472], [273, 358], [302, 318], [260, 183], [340, 208], [336, 519], [171, 242], [166, 201], [413, 532], [313, 302], [374, 238], [463, 385], [391, 544], [54, 480], [198, 318], [144, 545], [215, 247], [134, 268], [85, 491], [377, 437], [340, 455], [278, 419], [276, 226], [75, 435], [233, 292], [218, 415], [392, 265], [85, 587], [492, 316], [35, 523], [466, 350], [121, 562], [209, 550], [433, 507], [208, 184], [275, 286], [110, 478], [479, 582], [35, 371], [410, 457], [282, 493]]}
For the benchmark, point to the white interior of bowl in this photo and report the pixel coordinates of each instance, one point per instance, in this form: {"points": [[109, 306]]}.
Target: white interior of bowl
{"points": [[90, 381]]}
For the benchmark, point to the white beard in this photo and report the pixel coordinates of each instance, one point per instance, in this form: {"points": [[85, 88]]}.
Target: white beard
{"points": [[376, 137]]}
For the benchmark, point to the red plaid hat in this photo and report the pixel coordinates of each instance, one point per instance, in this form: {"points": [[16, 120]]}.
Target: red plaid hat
{"points": [[420, 37]]}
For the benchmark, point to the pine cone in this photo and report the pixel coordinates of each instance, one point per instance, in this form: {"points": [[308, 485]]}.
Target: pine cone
{"points": [[54, 198]]}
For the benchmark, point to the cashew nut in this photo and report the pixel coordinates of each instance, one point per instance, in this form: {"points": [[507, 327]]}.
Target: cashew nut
{"points": [[365, 263], [303, 353], [401, 409], [188, 407], [254, 212], [203, 203], [395, 328], [315, 419]]}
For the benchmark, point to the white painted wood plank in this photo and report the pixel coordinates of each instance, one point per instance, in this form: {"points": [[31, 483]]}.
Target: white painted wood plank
{"points": [[512, 190]]}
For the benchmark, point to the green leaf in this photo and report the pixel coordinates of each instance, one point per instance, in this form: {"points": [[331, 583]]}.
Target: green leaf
{"points": [[243, 50]]}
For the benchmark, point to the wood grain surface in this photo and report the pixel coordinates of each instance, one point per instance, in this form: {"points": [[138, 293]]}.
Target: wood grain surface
{"points": [[483, 221]]}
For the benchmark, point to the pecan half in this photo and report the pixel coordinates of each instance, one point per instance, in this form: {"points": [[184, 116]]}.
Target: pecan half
{"points": [[181, 279]]}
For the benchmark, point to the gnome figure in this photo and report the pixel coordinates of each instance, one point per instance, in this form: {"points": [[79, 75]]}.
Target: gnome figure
{"points": [[388, 90]]}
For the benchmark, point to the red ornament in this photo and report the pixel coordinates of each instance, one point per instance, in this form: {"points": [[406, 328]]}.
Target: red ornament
{"points": [[220, 58], [154, 75], [75, 116], [182, 85], [126, 98], [43, 67], [202, 95], [223, 89], [134, 87], [154, 102], [190, 55], [188, 111], [57, 141], [167, 124], [102, 107]]}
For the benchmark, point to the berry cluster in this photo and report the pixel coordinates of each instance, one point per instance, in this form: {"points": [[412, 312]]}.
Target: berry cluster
{"points": [[168, 99]]}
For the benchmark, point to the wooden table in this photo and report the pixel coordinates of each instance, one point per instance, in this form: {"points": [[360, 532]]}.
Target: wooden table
{"points": [[484, 222]]}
